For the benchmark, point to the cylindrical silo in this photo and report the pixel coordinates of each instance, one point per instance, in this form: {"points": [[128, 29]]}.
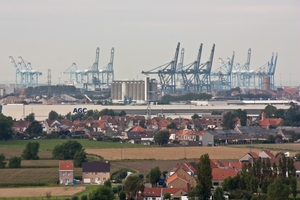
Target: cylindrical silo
{"points": [[266, 82]]}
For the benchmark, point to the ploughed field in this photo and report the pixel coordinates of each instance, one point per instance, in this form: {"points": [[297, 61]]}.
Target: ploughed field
{"points": [[171, 153], [40, 192]]}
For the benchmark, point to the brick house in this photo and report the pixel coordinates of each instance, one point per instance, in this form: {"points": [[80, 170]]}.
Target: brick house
{"points": [[66, 171], [95, 172]]}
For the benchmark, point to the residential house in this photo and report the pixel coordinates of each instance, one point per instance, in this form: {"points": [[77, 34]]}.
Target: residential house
{"points": [[287, 134], [218, 175], [95, 172], [267, 123], [20, 126], [66, 171], [182, 175], [249, 157], [158, 193], [266, 154]]}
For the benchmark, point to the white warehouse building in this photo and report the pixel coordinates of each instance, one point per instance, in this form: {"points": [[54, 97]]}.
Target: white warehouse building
{"points": [[140, 92]]}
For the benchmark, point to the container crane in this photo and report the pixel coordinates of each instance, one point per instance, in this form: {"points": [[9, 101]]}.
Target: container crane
{"points": [[223, 74], [92, 74], [107, 74], [190, 74], [167, 74]]}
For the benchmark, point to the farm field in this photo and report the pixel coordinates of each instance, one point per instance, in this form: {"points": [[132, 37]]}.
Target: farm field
{"points": [[48, 145], [37, 175], [171, 153], [293, 147], [41, 191], [31, 175]]}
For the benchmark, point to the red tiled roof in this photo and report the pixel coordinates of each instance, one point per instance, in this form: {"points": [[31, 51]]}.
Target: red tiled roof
{"points": [[138, 129], [221, 174], [176, 176], [236, 165], [66, 165], [213, 164], [253, 154]]}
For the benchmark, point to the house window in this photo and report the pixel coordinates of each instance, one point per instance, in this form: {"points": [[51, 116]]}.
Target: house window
{"points": [[63, 173], [95, 172], [104, 179], [216, 183], [69, 173]]}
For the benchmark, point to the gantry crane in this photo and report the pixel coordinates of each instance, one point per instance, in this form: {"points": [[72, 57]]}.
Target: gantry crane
{"points": [[167, 73], [223, 74], [107, 74], [25, 75]]}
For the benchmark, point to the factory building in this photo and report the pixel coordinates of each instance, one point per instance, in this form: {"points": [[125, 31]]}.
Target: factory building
{"points": [[133, 91]]}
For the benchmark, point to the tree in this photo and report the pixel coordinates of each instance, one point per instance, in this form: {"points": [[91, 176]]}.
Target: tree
{"points": [[2, 163], [132, 185], [204, 178], [142, 123], [242, 115], [216, 112], [167, 196], [278, 190], [31, 151], [35, 128], [195, 116], [66, 150], [53, 115], [162, 137], [219, 194], [229, 121], [102, 192], [154, 175], [107, 183], [30, 117], [79, 158], [270, 111], [172, 125], [122, 195], [6, 124], [122, 113], [14, 162]]}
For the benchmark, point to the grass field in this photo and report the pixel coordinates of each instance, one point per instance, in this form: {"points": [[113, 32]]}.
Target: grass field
{"points": [[48, 145], [171, 153]]}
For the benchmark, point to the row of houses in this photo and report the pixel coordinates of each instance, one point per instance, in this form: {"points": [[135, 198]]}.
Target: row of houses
{"points": [[137, 129], [182, 177]]}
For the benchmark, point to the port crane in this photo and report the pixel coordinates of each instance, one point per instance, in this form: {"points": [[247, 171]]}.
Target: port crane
{"points": [[167, 73]]}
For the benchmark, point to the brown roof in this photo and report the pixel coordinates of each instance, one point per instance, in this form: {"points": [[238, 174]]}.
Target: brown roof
{"points": [[253, 154], [221, 174], [66, 165], [138, 129]]}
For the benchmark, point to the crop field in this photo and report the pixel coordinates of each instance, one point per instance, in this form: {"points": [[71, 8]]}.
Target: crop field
{"points": [[39, 163], [293, 147], [171, 153], [48, 145], [31, 175], [144, 166], [41, 192]]}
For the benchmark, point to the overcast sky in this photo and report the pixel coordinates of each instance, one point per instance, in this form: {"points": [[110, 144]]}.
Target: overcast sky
{"points": [[54, 34]]}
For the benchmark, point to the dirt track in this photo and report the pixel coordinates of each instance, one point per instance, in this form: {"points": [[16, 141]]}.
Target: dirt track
{"points": [[40, 192]]}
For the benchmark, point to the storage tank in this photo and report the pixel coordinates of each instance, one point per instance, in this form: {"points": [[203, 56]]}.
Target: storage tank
{"points": [[266, 82]]}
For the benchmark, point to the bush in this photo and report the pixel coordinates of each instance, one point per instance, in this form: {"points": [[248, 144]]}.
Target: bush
{"points": [[84, 197], [14, 162], [74, 198]]}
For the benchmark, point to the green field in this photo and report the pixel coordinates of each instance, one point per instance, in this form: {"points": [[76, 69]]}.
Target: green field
{"points": [[48, 145]]}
